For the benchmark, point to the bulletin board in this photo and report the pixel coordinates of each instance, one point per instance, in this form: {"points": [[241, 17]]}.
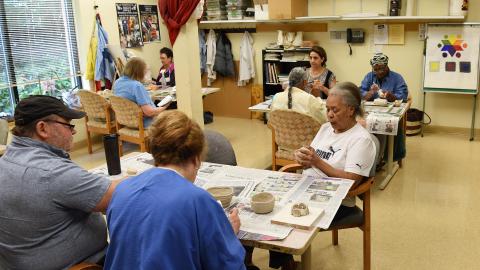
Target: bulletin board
{"points": [[452, 58]]}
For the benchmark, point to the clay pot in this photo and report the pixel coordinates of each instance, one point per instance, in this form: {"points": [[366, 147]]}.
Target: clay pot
{"points": [[222, 194], [262, 203]]}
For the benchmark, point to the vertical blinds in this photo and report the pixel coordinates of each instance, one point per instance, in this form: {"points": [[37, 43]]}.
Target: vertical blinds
{"points": [[39, 41]]}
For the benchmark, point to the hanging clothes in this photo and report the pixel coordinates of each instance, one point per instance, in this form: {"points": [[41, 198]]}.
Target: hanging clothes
{"points": [[211, 52], [203, 51], [104, 65], [247, 64], [224, 58], [175, 14], [92, 54]]}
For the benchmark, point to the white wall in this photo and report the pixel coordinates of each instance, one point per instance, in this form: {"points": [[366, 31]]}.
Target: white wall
{"points": [[84, 19]]}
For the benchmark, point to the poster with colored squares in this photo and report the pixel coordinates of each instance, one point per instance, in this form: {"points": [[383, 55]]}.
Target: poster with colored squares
{"points": [[452, 58]]}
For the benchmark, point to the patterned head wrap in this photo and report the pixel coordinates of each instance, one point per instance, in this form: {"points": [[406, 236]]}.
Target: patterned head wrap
{"points": [[379, 59]]}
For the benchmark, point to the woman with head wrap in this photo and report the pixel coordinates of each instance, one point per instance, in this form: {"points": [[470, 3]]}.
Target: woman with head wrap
{"points": [[296, 99], [381, 82]]}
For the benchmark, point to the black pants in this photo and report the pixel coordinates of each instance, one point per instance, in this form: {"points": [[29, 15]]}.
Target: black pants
{"points": [[277, 259]]}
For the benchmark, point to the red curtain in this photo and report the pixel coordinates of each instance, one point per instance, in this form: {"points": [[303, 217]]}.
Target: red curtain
{"points": [[175, 14]]}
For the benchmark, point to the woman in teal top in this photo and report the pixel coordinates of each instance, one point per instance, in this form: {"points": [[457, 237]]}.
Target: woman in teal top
{"points": [[130, 86]]}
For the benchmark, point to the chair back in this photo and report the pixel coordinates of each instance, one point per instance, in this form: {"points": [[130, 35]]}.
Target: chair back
{"points": [[219, 149], [3, 131], [126, 112], [292, 129], [93, 104]]}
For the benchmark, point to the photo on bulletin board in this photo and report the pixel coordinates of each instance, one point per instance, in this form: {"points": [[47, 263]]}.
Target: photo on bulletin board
{"points": [[150, 23], [129, 25], [452, 58]]}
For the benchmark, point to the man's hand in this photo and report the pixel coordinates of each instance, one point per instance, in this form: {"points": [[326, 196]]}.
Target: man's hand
{"points": [[390, 96], [306, 156], [234, 220], [374, 88]]}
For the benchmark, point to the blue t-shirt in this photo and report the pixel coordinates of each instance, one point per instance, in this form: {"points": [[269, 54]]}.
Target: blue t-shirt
{"points": [[160, 220], [135, 91], [393, 82]]}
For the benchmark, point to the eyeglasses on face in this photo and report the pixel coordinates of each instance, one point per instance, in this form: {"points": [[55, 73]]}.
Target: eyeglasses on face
{"points": [[72, 127]]}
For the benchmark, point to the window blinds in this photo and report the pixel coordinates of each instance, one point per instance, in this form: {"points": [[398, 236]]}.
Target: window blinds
{"points": [[39, 40]]}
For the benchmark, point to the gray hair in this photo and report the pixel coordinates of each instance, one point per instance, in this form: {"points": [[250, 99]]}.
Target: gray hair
{"points": [[296, 76], [350, 95]]}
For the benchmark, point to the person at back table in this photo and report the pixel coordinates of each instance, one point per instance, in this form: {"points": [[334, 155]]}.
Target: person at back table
{"points": [[166, 75], [161, 220], [381, 82], [296, 99], [130, 86], [319, 78], [49, 206]]}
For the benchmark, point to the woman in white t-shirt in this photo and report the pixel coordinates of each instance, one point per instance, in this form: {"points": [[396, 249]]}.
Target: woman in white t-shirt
{"points": [[342, 148], [296, 99]]}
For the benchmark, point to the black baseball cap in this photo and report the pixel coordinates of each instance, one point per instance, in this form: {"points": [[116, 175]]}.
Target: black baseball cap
{"points": [[38, 106]]}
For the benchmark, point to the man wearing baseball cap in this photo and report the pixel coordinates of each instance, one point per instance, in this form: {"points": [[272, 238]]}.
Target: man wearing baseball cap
{"points": [[382, 82], [50, 214]]}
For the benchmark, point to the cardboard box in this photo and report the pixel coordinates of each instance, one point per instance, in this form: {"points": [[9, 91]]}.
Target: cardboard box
{"points": [[287, 9]]}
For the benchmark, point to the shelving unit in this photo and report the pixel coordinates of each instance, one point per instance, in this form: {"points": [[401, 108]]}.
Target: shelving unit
{"points": [[326, 19], [282, 68]]}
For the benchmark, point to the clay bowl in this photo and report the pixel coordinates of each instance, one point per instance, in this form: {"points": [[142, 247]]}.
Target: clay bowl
{"points": [[262, 203], [222, 194]]}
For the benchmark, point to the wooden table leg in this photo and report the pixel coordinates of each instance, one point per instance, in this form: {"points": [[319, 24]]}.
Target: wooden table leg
{"points": [[307, 259]]}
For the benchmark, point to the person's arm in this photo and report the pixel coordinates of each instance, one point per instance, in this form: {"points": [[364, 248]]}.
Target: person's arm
{"points": [[307, 157], [401, 89], [150, 111], [219, 245], [103, 203], [367, 88], [172, 77]]}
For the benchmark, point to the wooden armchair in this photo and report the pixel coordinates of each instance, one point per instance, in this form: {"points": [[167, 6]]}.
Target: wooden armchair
{"points": [[290, 131], [360, 218], [129, 122], [99, 117]]}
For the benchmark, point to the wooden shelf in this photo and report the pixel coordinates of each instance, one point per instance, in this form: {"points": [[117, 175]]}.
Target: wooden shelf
{"points": [[325, 19]]}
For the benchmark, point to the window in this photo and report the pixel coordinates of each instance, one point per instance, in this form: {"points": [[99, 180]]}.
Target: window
{"points": [[38, 50]]}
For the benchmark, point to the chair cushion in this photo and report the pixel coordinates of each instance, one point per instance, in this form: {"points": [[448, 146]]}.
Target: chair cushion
{"points": [[285, 154], [354, 219], [99, 124], [131, 132]]}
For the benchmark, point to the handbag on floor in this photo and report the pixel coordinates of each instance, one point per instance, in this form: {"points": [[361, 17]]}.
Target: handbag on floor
{"points": [[415, 119]]}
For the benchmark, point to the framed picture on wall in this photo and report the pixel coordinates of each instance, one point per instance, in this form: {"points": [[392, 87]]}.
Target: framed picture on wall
{"points": [[129, 25], [149, 23]]}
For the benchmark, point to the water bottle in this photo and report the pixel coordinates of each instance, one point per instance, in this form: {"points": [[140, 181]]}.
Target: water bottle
{"points": [[112, 155]]}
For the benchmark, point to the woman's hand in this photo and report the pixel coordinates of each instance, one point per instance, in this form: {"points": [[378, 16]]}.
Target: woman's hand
{"points": [[306, 156], [234, 220]]}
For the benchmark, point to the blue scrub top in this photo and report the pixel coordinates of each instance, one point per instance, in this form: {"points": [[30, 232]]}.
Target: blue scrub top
{"points": [[160, 220]]}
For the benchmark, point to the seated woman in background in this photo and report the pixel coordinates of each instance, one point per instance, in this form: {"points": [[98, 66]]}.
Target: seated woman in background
{"points": [[130, 86], [296, 99], [166, 75], [161, 220], [319, 78]]}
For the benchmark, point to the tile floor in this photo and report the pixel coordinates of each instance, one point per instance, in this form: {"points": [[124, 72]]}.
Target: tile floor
{"points": [[427, 218]]}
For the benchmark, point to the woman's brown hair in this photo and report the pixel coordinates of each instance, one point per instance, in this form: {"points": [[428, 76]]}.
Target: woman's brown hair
{"points": [[321, 52], [135, 69], [174, 138]]}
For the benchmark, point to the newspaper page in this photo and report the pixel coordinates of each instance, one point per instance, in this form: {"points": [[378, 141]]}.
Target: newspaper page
{"points": [[326, 193], [382, 123]]}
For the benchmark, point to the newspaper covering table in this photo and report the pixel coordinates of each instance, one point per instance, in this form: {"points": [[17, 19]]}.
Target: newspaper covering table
{"points": [[383, 119], [326, 193]]}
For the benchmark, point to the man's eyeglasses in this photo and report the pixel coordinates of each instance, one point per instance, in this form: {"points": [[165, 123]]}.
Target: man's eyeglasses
{"points": [[72, 127]]}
